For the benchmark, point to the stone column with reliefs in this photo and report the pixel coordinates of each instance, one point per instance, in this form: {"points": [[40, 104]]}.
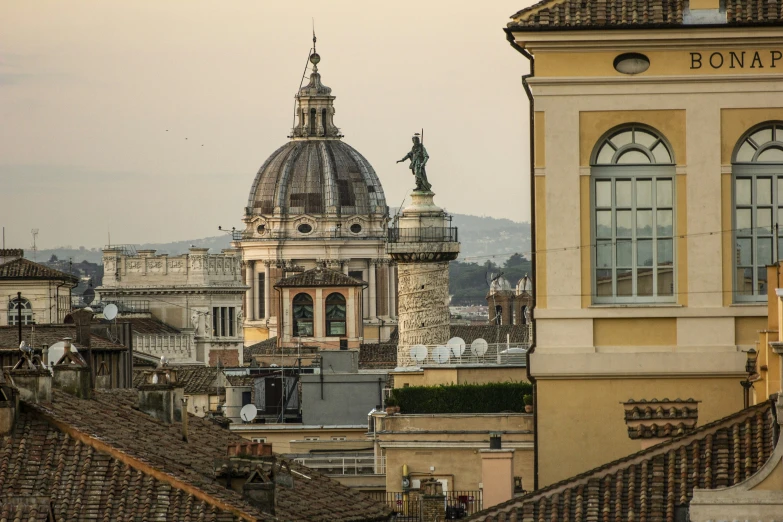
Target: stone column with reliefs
{"points": [[422, 244]]}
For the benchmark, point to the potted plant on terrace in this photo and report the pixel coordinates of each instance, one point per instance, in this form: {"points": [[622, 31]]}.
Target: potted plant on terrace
{"points": [[528, 400], [391, 405]]}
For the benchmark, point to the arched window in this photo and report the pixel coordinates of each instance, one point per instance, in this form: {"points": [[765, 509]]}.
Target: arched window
{"points": [[312, 122], [303, 315], [335, 315], [323, 121], [498, 319], [632, 204], [757, 170], [13, 311]]}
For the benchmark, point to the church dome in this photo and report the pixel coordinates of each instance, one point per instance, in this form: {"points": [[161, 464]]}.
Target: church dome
{"points": [[316, 176], [316, 172]]}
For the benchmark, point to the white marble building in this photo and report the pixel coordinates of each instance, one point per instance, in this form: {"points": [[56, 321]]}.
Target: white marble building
{"points": [[316, 201], [198, 294]]}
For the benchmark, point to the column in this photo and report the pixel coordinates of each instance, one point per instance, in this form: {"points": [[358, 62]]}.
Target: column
{"points": [[256, 290], [267, 291], [250, 280], [392, 290], [345, 266], [373, 290]]}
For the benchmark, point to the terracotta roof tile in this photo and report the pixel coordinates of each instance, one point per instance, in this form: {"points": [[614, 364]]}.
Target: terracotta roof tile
{"points": [[580, 14], [149, 325], [49, 334], [716, 455], [25, 269], [318, 277], [95, 458], [197, 380]]}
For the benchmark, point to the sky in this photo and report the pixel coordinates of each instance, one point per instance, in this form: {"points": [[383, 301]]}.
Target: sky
{"points": [[149, 119]]}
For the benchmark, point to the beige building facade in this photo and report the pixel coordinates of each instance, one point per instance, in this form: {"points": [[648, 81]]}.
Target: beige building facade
{"points": [[656, 129], [45, 292], [448, 447], [198, 293]]}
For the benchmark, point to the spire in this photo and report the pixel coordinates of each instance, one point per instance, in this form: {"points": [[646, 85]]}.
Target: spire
{"points": [[315, 105]]}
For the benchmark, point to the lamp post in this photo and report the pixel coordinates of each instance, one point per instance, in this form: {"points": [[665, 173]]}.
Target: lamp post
{"points": [[750, 369]]}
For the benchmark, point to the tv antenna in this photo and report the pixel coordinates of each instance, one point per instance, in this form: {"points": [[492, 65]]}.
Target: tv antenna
{"points": [[34, 232]]}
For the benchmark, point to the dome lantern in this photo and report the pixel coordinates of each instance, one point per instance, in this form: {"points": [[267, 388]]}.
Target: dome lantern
{"points": [[315, 107]]}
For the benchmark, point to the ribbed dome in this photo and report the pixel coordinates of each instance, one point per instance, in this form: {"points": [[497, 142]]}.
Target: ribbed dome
{"points": [[316, 176]]}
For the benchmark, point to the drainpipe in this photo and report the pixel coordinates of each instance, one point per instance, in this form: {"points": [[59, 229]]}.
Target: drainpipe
{"points": [[529, 93]]}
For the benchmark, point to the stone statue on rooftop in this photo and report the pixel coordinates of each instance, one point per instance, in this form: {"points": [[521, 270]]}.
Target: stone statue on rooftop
{"points": [[418, 156]]}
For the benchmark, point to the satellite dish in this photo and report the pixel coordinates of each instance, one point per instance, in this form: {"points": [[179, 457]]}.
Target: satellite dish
{"points": [[248, 413], [88, 296], [457, 346], [440, 354], [479, 347], [110, 311], [419, 352]]}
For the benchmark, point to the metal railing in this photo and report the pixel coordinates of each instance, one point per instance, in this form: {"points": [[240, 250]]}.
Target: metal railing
{"points": [[358, 465], [241, 235], [422, 235], [458, 504], [503, 354]]}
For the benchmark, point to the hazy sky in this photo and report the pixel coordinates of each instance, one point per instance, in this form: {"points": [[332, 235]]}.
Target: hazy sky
{"points": [[151, 118]]}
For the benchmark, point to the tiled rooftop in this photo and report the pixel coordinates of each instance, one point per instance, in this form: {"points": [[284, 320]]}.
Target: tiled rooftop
{"points": [[197, 380], [25, 269], [103, 459], [597, 14], [49, 334], [149, 325], [648, 484], [318, 277]]}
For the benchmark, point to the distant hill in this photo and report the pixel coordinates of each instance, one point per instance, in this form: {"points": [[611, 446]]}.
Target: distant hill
{"points": [[481, 238]]}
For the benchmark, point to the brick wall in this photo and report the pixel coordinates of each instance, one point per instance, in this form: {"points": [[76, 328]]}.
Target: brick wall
{"points": [[226, 358]]}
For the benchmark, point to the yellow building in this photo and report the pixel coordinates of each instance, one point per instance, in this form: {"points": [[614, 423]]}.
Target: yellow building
{"points": [[658, 128], [45, 293], [450, 448]]}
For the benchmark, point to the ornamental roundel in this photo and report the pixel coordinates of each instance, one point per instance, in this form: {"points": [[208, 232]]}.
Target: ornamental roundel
{"points": [[355, 226], [305, 225]]}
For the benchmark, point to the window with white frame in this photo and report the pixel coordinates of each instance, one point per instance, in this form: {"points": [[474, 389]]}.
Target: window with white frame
{"points": [[633, 217], [757, 175], [13, 311]]}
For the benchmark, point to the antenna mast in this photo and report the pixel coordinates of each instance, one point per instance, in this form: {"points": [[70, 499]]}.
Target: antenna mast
{"points": [[34, 232]]}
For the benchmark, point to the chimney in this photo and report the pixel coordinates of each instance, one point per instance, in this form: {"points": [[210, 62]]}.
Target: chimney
{"points": [[259, 490], [497, 472], [71, 373], [31, 378], [160, 395], [655, 421], [103, 377], [432, 501], [82, 318], [184, 401], [9, 397]]}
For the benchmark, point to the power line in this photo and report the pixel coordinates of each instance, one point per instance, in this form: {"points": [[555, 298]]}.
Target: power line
{"points": [[614, 242]]}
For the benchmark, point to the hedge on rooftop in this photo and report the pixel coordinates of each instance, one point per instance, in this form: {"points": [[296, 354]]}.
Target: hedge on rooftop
{"points": [[493, 397]]}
